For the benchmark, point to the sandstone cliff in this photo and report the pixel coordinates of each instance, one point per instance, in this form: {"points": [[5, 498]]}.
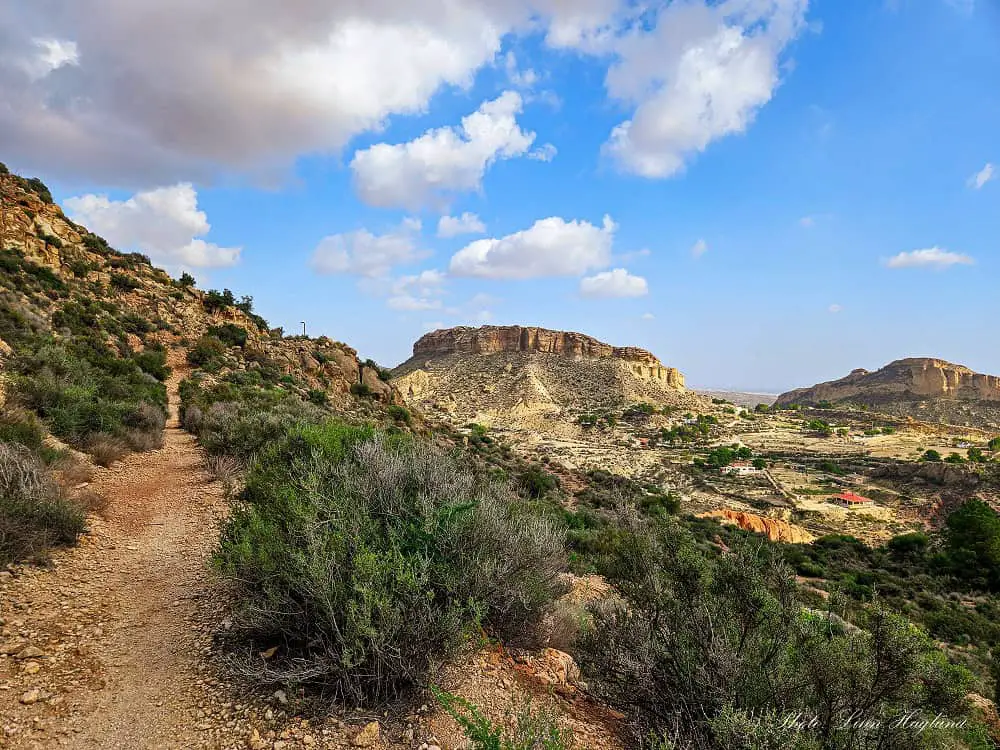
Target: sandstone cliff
{"points": [[773, 528], [532, 340], [926, 388], [532, 378]]}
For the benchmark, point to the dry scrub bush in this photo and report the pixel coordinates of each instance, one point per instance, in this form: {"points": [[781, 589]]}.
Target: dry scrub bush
{"points": [[106, 449], [369, 559], [145, 428], [226, 469], [34, 514]]}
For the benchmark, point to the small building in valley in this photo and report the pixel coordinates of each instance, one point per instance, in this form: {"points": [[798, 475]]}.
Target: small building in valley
{"points": [[740, 469], [850, 500]]}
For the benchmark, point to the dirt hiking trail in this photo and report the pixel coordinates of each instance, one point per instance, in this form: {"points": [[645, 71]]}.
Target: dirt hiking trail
{"points": [[113, 626]]}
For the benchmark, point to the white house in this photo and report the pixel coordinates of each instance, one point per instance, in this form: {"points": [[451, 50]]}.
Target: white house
{"points": [[740, 469]]}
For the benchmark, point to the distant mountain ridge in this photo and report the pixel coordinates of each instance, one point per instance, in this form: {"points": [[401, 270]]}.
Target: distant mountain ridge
{"points": [[922, 387]]}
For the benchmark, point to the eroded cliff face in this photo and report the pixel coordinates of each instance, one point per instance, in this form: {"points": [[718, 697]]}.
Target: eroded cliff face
{"points": [[533, 379], [773, 528], [914, 379], [529, 339]]}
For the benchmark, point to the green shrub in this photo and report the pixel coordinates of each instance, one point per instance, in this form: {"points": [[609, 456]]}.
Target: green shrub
{"points": [[368, 559], [80, 268], [136, 324], [229, 334], [697, 646], [361, 390], [21, 427], [34, 514], [153, 361], [206, 353], [30, 274], [245, 428], [124, 283], [215, 300], [186, 280], [537, 482], [381, 372], [399, 413], [79, 388], [526, 729], [972, 543], [50, 239], [931, 455], [318, 397]]}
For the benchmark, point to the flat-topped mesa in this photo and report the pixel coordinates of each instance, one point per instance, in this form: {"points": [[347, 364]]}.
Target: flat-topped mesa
{"points": [[530, 339], [916, 378]]}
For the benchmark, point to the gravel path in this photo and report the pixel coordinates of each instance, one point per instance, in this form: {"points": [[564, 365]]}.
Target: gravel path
{"points": [[114, 623]]}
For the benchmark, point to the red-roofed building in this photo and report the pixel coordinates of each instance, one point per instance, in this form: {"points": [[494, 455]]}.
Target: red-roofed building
{"points": [[850, 500]]}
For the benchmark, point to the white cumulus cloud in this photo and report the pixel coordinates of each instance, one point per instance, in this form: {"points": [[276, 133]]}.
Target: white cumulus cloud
{"points": [[551, 247], [120, 91], [615, 283], [444, 161], [696, 72], [165, 224], [934, 257], [980, 178], [453, 226], [361, 253], [418, 292]]}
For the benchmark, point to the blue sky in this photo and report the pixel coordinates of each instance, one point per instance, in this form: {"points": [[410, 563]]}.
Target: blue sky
{"points": [[804, 189]]}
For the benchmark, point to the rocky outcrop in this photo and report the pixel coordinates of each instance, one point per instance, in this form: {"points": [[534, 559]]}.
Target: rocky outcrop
{"points": [[930, 390], [532, 340], [934, 472], [905, 379], [773, 528]]}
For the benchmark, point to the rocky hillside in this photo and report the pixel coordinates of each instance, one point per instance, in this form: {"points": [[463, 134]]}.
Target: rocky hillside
{"points": [[530, 377], [924, 388], [57, 275]]}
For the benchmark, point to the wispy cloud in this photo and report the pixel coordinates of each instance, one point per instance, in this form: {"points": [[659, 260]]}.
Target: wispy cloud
{"points": [[983, 176], [699, 248], [933, 257]]}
